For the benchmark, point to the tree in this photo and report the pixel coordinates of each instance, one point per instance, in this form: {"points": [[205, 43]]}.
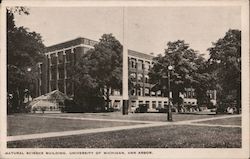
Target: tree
{"points": [[206, 81], [225, 60], [99, 70], [24, 50], [186, 64]]}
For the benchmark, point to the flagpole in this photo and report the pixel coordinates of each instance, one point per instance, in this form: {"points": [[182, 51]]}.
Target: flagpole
{"points": [[125, 66]]}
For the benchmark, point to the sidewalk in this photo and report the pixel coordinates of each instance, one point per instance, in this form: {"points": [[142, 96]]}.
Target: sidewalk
{"points": [[146, 124]]}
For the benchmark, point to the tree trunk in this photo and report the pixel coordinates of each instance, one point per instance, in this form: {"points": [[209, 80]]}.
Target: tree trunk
{"points": [[107, 99], [238, 99]]}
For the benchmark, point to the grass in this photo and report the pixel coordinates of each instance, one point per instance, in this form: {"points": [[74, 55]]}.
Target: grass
{"points": [[157, 137], [20, 124], [137, 116], [228, 121]]}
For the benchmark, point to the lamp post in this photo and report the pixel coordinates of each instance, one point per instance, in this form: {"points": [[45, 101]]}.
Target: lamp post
{"points": [[170, 68], [28, 90]]}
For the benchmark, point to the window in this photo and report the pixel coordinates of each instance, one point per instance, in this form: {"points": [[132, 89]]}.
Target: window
{"points": [[139, 65], [53, 59], [165, 104], [146, 79], [210, 95], [69, 87], [140, 77], [40, 68], [132, 63], [87, 41], [117, 104], [53, 73], [68, 55], [61, 72], [146, 91], [133, 76], [61, 86], [193, 94], [185, 95], [140, 102], [147, 66], [53, 85], [159, 92], [133, 92], [152, 93], [139, 92], [153, 104], [159, 104], [60, 57], [117, 92], [133, 104]]}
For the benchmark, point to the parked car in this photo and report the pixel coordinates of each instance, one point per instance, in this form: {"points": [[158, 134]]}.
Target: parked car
{"points": [[143, 108]]}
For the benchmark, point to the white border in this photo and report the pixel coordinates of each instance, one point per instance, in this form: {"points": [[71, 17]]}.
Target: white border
{"points": [[157, 153]]}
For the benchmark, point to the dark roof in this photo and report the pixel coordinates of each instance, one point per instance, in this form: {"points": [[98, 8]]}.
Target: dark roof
{"points": [[140, 55], [89, 42], [70, 43]]}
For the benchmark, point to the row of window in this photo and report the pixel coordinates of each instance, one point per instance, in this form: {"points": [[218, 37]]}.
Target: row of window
{"points": [[146, 91], [50, 108], [193, 103], [90, 42], [191, 94], [61, 84], [139, 65], [140, 77], [155, 104], [60, 57], [69, 56]]}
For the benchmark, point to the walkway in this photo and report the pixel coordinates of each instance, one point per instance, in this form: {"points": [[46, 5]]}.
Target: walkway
{"points": [[146, 124]]}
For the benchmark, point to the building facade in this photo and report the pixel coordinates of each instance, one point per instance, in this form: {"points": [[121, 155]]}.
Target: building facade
{"points": [[142, 93], [54, 71], [55, 74]]}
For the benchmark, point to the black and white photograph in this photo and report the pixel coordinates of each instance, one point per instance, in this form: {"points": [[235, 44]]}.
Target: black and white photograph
{"points": [[125, 80]]}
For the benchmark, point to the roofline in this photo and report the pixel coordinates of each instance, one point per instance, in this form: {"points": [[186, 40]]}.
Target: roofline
{"points": [[66, 41]]}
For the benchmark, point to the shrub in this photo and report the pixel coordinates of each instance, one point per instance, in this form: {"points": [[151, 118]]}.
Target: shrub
{"points": [[34, 109], [43, 109]]}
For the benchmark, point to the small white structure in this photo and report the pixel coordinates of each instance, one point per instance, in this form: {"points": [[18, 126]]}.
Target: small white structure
{"points": [[52, 102]]}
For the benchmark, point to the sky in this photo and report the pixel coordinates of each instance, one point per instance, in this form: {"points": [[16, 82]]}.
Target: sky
{"points": [[148, 29]]}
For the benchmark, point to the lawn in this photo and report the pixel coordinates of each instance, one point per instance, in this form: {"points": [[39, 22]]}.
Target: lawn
{"points": [[21, 124], [228, 121], [181, 136], [137, 116]]}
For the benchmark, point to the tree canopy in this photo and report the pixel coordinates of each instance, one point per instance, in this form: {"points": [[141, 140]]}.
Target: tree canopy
{"points": [[221, 72], [99, 70], [186, 63], [24, 50], [225, 65]]}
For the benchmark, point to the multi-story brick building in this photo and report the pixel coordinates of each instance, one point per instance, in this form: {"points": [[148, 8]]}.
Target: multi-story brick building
{"points": [[55, 68], [142, 93], [54, 74]]}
